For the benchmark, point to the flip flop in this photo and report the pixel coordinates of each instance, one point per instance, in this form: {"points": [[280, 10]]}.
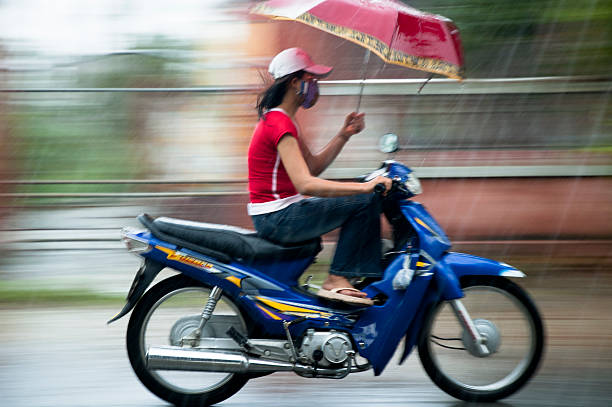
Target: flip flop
{"points": [[334, 295]]}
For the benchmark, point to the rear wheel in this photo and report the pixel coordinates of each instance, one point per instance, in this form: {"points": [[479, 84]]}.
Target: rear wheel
{"points": [[168, 312], [506, 317]]}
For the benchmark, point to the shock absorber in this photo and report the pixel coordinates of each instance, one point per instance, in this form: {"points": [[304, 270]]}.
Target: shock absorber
{"points": [[207, 312]]}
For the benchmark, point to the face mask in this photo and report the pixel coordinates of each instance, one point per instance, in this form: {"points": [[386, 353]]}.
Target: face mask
{"points": [[310, 91]]}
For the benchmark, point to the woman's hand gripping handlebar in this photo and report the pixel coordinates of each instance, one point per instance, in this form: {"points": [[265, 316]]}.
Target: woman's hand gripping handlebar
{"points": [[380, 185]]}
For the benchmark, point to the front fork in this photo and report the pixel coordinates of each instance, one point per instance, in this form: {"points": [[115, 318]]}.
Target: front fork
{"points": [[468, 325]]}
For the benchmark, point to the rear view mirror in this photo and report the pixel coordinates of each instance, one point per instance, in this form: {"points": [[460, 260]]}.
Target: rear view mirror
{"points": [[389, 143]]}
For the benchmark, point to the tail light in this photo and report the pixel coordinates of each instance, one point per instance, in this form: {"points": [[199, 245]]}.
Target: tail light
{"points": [[133, 242]]}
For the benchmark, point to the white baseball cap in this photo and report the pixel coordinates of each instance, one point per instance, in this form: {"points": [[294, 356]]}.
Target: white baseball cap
{"points": [[295, 59]]}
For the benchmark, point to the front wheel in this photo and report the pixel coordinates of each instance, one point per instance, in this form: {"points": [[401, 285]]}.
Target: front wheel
{"points": [[168, 312], [507, 318]]}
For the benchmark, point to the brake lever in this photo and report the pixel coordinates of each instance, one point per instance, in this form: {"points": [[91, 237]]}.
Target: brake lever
{"points": [[398, 186]]}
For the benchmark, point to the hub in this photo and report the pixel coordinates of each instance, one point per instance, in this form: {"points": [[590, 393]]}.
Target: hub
{"points": [[490, 335]]}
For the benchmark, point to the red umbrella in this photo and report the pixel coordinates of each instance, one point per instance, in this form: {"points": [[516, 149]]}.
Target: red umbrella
{"points": [[397, 33]]}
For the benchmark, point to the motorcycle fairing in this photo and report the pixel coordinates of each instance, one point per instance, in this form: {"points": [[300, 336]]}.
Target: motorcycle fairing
{"points": [[312, 316], [446, 287], [267, 300], [430, 284], [451, 268], [381, 327], [431, 236], [286, 272], [414, 330], [201, 267], [414, 302], [376, 333]]}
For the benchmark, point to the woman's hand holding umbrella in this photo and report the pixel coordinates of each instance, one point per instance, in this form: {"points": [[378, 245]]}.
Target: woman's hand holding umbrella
{"points": [[353, 124]]}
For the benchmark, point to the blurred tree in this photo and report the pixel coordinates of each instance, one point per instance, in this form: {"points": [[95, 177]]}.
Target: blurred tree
{"points": [[97, 135], [6, 172], [531, 38]]}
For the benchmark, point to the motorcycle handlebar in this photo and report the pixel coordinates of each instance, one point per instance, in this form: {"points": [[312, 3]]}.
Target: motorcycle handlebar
{"points": [[396, 186], [379, 188]]}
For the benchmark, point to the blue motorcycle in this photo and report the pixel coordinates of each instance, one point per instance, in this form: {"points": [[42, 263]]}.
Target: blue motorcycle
{"points": [[235, 310]]}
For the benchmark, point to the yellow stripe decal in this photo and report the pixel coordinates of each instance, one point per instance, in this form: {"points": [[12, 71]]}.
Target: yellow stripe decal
{"points": [[164, 249], [309, 315], [293, 310], [268, 312], [284, 307], [234, 280], [183, 258], [422, 264], [425, 225]]}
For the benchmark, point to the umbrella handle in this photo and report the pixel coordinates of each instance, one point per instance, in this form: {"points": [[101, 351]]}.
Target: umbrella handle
{"points": [[366, 59]]}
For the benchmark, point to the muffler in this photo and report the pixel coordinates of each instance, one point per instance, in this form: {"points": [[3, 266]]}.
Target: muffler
{"points": [[177, 358]]}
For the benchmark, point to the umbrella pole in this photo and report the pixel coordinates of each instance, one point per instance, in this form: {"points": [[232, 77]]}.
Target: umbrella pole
{"points": [[425, 83], [366, 59]]}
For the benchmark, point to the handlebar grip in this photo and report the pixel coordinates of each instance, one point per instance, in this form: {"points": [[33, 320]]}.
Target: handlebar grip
{"points": [[379, 188]]}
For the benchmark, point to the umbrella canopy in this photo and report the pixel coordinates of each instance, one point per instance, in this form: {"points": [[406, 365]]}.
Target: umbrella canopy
{"points": [[395, 32]]}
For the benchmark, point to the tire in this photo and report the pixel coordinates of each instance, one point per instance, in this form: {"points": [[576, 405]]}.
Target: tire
{"points": [[510, 315], [158, 313]]}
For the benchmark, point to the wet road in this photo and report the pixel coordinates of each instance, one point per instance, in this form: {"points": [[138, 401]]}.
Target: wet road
{"points": [[68, 356]]}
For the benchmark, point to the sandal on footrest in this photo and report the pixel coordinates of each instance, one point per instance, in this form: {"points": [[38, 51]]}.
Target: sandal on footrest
{"points": [[334, 295]]}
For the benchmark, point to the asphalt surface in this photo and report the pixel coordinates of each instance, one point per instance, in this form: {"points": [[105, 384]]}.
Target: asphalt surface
{"points": [[68, 356]]}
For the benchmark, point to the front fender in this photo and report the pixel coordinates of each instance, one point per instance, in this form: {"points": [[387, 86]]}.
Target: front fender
{"points": [[453, 266], [463, 264]]}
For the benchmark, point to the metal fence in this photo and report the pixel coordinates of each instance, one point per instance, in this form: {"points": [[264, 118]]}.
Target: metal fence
{"points": [[372, 87], [369, 88]]}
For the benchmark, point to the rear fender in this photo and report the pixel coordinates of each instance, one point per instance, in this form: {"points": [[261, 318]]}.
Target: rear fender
{"points": [[142, 280]]}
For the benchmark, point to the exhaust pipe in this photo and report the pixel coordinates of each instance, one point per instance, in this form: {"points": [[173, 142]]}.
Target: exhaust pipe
{"points": [[176, 358]]}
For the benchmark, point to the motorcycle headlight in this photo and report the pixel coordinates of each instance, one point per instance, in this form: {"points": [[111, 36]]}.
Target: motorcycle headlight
{"points": [[413, 184]]}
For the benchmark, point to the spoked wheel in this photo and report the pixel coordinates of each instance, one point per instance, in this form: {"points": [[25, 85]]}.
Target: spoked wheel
{"points": [[511, 325], [165, 315]]}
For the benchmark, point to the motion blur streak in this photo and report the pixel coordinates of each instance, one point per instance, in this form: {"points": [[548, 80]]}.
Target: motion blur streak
{"points": [[526, 174]]}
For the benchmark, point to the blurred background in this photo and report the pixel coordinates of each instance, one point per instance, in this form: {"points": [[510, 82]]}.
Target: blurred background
{"points": [[112, 108]]}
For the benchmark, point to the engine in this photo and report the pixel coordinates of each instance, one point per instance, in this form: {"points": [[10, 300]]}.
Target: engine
{"points": [[325, 348]]}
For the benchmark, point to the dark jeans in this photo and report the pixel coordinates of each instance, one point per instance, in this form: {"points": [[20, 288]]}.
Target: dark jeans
{"points": [[359, 248]]}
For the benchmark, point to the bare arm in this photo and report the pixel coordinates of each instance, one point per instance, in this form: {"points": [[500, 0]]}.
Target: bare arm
{"points": [[317, 163], [307, 184]]}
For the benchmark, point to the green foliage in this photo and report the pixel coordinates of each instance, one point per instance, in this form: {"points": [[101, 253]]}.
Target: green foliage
{"points": [[20, 294], [92, 136], [531, 38], [72, 143]]}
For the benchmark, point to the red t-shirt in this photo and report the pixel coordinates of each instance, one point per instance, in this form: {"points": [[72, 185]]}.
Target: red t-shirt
{"points": [[269, 182]]}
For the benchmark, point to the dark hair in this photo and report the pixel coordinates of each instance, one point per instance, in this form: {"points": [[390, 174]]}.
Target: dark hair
{"points": [[273, 96]]}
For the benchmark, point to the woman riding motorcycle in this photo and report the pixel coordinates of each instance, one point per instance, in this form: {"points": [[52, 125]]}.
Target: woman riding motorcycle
{"points": [[282, 171]]}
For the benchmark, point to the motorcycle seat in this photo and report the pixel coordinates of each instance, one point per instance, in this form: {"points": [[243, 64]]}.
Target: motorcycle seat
{"points": [[226, 243]]}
